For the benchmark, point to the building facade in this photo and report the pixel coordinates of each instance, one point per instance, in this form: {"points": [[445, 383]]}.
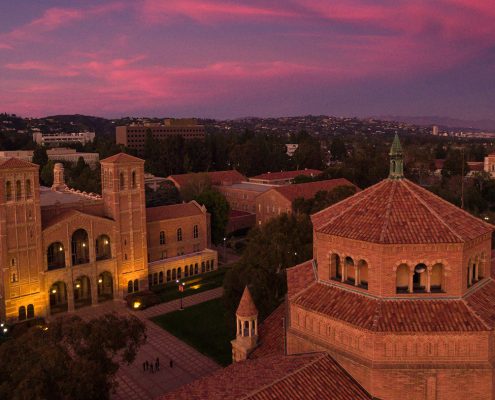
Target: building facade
{"points": [[134, 136], [57, 139], [489, 165], [61, 249], [283, 177]]}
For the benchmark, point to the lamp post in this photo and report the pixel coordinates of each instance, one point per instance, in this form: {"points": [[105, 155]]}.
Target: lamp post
{"points": [[181, 290], [224, 250]]}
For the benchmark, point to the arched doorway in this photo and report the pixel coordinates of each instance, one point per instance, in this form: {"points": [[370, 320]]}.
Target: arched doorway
{"points": [[82, 292], [349, 271], [80, 248], [419, 278], [58, 298], [103, 251], [105, 287], [55, 256]]}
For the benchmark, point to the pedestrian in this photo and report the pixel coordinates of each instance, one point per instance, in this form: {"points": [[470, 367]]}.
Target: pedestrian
{"points": [[171, 363], [157, 363], [151, 367], [147, 365]]}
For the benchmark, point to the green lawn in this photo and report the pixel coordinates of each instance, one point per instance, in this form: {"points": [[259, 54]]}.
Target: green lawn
{"points": [[204, 327], [193, 285]]}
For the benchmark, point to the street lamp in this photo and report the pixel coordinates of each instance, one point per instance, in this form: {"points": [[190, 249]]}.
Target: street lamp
{"points": [[224, 249], [181, 290]]}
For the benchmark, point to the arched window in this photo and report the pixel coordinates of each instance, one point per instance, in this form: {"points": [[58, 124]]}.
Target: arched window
{"points": [[129, 287], [18, 190], [174, 274], [162, 237], [207, 265], [30, 311], [179, 273], [29, 192], [419, 278], [8, 191], [22, 313], [103, 249], [55, 256], [105, 286], [136, 285], [133, 180], [155, 278], [191, 270], [203, 267], [160, 277], [196, 269], [121, 181], [58, 297], [179, 235], [186, 271], [168, 276], [195, 232], [335, 268], [436, 279], [402, 279], [362, 278], [349, 270], [80, 248], [393, 166]]}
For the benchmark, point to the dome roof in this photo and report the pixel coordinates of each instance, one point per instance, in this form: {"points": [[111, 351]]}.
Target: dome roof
{"points": [[246, 305], [399, 211]]}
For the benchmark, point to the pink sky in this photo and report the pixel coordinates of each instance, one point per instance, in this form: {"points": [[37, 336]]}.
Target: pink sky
{"points": [[222, 59]]}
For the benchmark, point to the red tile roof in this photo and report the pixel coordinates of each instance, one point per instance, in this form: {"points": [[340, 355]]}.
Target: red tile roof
{"points": [[314, 376], [300, 277], [482, 302], [16, 163], [246, 305], [216, 177], [399, 211], [309, 190], [122, 158], [271, 334], [173, 211], [273, 176], [475, 165], [408, 315]]}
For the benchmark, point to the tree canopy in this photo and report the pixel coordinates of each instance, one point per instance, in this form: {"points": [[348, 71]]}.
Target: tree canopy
{"points": [[69, 358], [219, 208]]}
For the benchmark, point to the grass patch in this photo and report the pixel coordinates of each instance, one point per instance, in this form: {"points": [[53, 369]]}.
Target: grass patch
{"points": [[193, 285], [204, 327]]}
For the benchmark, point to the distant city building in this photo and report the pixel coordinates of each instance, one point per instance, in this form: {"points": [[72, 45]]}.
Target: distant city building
{"points": [[134, 135], [56, 139], [24, 155], [489, 165], [283, 177], [71, 155], [434, 130]]}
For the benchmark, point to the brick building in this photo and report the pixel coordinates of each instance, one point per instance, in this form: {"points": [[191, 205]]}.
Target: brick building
{"points": [[489, 164], [134, 135], [279, 199], [62, 249], [397, 303], [283, 177], [216, 178]]}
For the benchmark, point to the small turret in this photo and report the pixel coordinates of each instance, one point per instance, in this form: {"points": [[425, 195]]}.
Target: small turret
{"points": [[396, 160], [58, 177], [247, 328]]}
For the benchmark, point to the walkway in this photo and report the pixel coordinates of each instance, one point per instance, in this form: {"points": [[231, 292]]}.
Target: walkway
{"points": [[189, 365]]}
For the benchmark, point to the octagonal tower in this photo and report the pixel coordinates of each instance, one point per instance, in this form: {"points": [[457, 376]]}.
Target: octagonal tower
{"points": [[399, 292]]}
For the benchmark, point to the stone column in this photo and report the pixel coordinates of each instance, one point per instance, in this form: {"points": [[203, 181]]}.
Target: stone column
{"points": [[357, 278], [70, 296], [256, 328], [428, 279], [411, 284], [470, 275], [343, 272], [477, 271]]}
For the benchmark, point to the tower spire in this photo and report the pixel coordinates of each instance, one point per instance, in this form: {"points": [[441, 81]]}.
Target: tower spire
{"points": [[396, 160]]}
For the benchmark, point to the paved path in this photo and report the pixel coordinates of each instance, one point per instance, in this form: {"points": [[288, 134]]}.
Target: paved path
{"points": [[189, 364]]}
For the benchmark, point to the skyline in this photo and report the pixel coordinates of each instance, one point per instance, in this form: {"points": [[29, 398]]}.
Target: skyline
{"points": [[229, 59]]}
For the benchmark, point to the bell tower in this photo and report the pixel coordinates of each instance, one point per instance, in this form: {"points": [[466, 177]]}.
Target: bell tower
{"points": [[20, 239], [396, 160], [247, 328], [123, 193]]}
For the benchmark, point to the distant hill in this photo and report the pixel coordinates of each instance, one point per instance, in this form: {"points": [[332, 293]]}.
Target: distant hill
{"points": [[78, 122], [454, 123]]}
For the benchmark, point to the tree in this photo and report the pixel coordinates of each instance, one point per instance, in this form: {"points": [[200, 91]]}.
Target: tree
{"points": [[282, 242], [337, 149], [455, 164], [165, 194], [71, 359], [219, 208], [196, 184], [322, 199], [39, 156], [46, 174]]}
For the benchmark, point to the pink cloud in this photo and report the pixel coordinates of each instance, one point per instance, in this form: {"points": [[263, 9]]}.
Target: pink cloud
{"points": [[209, 11]]}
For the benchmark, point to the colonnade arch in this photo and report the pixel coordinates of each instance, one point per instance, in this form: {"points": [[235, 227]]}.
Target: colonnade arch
{"points": [[420, 277], [476, 268], [345, 269]]}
